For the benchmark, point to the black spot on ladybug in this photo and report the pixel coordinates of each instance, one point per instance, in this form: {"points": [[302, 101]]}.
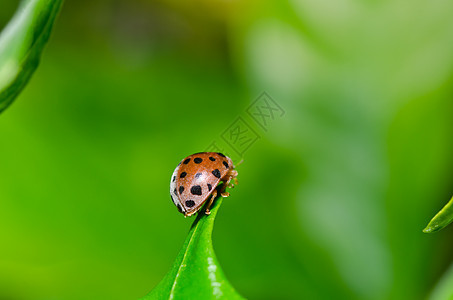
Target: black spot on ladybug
{"points": [[211, 158], [181, 189], [186, 161], [197, 160], [216, 173], [174, 191], [174, 178], [190, 203], [209, 187], [196, 190], [198, 175], [220, 154], [183, 174], [226, 165], [179, 208]]}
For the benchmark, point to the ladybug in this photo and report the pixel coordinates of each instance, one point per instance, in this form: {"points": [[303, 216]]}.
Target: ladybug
{"points": [[195, 181]]}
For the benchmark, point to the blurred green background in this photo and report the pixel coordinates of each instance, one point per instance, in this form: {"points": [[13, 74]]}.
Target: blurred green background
{"points": [[331, 199]]}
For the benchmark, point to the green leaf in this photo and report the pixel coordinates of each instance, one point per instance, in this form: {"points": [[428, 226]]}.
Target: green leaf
{"points": [[441, 219], [21, 44], [444, 288], [196, 273]]}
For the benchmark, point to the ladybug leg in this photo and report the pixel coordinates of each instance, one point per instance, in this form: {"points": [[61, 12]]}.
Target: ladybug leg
{"points": [[211, 200], [232, 184], [231, 175], [224, 186], [235, 181]]}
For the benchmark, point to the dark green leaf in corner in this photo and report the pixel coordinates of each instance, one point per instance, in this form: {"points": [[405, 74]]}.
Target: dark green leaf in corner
{"points": [[21, 44], [442, 219], [196, 273]]}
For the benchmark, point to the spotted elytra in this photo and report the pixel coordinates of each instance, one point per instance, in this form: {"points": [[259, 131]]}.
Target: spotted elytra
{"points": [[195, 180]]}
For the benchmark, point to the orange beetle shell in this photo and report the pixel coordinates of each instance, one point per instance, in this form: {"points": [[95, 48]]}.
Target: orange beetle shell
{"points": [[195, 178]]}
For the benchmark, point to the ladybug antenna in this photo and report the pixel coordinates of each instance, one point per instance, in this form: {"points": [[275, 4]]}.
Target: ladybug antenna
{"points": [[239, 163]]}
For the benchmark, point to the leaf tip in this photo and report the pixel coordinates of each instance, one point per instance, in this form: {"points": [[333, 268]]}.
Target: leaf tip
{"points": [[430, 228], [427, 230]]}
